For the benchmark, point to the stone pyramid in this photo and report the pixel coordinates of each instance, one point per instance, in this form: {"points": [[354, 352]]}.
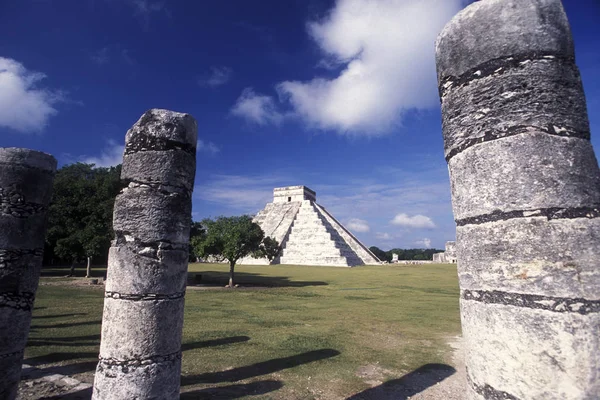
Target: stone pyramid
{"points": [[307, 233]]}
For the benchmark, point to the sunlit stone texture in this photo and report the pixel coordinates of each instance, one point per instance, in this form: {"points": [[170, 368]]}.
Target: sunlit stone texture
{"points": [[140, 350], [26, 178], [526, 199]]}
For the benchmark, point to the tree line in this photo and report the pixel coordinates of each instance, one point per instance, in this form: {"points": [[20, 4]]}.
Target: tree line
{"points": [[404, 254], [80, 224]]}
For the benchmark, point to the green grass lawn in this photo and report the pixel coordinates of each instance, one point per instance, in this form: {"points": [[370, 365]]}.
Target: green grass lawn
{"points": [[287, 333]]}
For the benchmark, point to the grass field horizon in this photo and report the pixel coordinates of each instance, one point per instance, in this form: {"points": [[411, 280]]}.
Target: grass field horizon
{"points": [[288, 332]]}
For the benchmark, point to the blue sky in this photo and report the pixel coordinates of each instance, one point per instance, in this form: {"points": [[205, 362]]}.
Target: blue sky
{"points": [[339, 96]]}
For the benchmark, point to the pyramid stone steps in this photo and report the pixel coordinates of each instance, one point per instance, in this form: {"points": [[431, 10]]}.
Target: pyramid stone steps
{"points": [[307, 234]]}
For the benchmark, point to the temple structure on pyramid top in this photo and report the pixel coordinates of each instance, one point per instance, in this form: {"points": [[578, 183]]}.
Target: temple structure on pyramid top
{"points": [[307, 233]]}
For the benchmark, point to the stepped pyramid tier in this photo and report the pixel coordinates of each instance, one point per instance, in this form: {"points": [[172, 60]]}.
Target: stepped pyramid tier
{"points": [[307, 233]]}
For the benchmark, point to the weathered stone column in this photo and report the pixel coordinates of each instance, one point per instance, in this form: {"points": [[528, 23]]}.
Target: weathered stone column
{"points": [[526, 199], [140, 351], [25, 189]]}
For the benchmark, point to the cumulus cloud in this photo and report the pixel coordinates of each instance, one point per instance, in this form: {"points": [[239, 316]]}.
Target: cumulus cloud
{"points": [[358, 225], [425, 243], [110, 156], [416, 221], [24, 106], [218, 76], [383, 236], [257, 108], [386, 51], [207, 147]]}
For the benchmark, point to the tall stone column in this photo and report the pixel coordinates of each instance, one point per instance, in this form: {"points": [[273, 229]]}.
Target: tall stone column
{"points": [[26, 178], [526, 198], [140, 350]]}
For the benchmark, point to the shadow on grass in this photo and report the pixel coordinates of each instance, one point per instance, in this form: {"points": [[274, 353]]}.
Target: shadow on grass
{"points": [[56, 315], [407, 386], [234, 391], [84, 394], [58, 357], [214, 342], [219, 278], [69, 369], [258, 369], [70, 341], [63, 271], [66, 324]]}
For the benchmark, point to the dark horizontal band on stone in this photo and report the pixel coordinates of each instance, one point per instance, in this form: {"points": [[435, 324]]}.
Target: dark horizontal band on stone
{"points": [[18, 301], [13, 354], [36, 168], [141, 142], [142, 362], [499, 66], [12, 203], [144, 296], [549, 213], [535, 301], [488, 392], [517, 130], [157, 186]]}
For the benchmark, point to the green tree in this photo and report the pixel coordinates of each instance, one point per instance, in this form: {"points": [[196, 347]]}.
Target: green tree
{"points": [[382, 255], [229, 238], [80, 213], [269, 248], [197, 234]]}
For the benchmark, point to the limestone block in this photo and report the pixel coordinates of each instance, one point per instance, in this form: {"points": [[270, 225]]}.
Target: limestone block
{"points": [[140, 351], [139, 270], [136, 327], [26, 178], [532, 255], [526, 199]]}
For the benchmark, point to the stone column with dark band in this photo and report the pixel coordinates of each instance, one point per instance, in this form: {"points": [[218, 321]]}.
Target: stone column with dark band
{"points": [[26, 178], [140, 350], [526, 199]]}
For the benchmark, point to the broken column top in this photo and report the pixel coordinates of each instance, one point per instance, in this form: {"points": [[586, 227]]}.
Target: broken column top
{"points": [[520, 27], [167, 125], [293, 193], [29, 158]]}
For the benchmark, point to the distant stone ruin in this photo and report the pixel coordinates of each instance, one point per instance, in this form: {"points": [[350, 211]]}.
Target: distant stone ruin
{"points": [[307, 233], [526, 200], [26, 178], [142, 323], [448, 256]]}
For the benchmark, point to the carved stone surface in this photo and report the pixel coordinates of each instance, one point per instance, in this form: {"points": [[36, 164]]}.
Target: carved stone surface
{"points": [[526, 199], [26, 178], [140, 351]]}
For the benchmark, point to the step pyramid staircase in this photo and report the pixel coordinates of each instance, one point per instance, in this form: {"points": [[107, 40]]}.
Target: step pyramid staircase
{"points": [[307, 233]]}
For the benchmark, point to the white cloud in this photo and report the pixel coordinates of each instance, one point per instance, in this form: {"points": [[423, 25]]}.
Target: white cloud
{"points": [[425, 243], [358, 225], [110, 156], [383, 236], [207, 147], [257, 108], [416, 221], [218, 76], [24, 106], [386, 50]]}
